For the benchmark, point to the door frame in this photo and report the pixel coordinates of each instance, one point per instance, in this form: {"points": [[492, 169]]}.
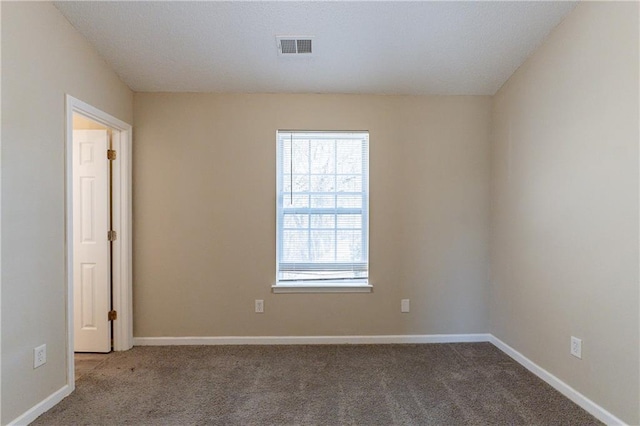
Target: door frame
{"points": [[122, 292]]}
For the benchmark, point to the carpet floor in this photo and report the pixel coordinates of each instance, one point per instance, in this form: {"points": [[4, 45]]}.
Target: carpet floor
{"points": [[435, 384]]}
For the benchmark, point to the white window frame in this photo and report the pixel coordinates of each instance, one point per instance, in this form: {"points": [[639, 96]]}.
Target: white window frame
{"points": [[357, 285]]}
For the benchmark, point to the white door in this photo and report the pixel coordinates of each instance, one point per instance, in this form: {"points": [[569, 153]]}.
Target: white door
{"points": [[91, 248]]}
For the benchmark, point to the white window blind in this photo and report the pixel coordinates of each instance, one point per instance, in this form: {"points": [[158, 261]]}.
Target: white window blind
{"points": [[322, 211]]}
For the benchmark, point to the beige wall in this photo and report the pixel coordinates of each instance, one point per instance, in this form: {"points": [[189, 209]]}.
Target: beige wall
{"points": [[44, 59], [204, 215], [565, 206]]}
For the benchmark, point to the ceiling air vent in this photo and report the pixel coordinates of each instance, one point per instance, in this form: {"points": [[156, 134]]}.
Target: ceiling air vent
{"points": [[293, 46]]}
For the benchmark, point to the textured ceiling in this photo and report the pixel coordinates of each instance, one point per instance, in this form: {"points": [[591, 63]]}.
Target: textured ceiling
{"points": [[359, 47]]}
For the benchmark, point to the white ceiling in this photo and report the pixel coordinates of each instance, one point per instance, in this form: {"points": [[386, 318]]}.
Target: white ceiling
{"points": [[359, 47]]}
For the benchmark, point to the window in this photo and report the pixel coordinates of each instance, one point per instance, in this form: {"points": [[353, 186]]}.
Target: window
{"points": [[322, 211]]}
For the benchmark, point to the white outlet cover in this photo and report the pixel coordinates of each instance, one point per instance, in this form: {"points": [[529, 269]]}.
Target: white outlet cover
{"points": [[404, 305], [576, 347], [259, 306], [39, 356]]}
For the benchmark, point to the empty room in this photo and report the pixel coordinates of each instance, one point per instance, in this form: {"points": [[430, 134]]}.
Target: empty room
{"points": [[319, 213]]}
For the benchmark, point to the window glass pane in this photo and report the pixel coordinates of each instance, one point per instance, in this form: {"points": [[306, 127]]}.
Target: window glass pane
{"points": [[349, 221], [286, 158], [295, 200], [322, 246], [349, 201], [295, 246], [300, 183], [323, 201], [323, 221], [349, 246], [350, 183], [349, 157], [323, 183], [323, 156], [296, 221], [286, 183], [300, 156]]}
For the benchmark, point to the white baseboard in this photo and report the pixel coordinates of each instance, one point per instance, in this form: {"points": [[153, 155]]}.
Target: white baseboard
{"points": [[43, 406], [575, 396], [310, 340]]}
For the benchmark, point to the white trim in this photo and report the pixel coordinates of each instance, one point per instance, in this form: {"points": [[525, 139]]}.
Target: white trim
{"points": [[122, 277], [76, 105], [575, 396], [310, 340], [0, 234], [322, 288], [122, 253], [43, 406]]}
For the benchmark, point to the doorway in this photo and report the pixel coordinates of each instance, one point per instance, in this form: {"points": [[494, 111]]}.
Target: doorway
{"points": [[98, 232], [92, 236]]}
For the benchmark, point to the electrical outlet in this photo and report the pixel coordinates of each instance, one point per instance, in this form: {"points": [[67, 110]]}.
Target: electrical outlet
{"points": [[39, 356], [576, 347], [259, 306], [404, 305]]}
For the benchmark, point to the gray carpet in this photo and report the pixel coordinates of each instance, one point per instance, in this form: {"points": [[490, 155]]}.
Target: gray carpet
{"points": [[439, 384], [85, 363]]}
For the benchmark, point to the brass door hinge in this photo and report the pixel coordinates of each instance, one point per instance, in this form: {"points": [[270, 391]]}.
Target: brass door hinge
{"points": [[113, 315], [111, 154], [112, 235]]}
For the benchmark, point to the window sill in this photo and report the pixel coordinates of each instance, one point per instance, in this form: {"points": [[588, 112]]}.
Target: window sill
{"points": [[328, 287]]}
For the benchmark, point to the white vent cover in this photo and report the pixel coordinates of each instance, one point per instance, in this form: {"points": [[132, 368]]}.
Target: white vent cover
{"points": [[293, 46]]}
